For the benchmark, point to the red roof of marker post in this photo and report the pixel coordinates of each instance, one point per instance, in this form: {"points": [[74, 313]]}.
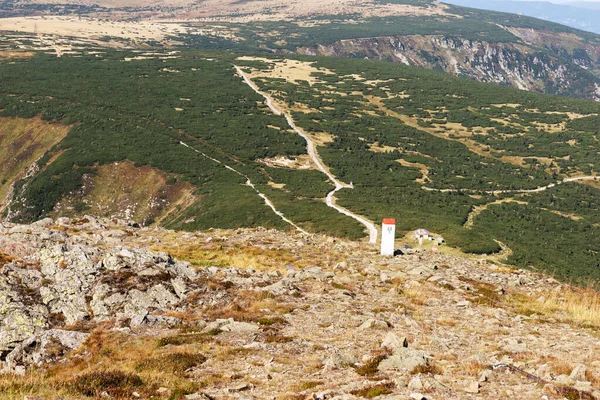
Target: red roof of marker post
{"points": [[389, 221]]}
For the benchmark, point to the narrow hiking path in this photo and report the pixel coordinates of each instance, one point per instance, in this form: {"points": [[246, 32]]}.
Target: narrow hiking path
{"points": [[508, 191], [479, 209], [476, 210], [474, 147], [330, 200], [248, 183]]}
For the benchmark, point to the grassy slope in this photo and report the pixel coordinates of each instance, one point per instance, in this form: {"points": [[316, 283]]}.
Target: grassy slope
{"points": [[22, 142], [125, 191]]}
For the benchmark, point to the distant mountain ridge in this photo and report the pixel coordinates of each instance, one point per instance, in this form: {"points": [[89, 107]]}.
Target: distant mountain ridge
{"points": [[488, 46]]}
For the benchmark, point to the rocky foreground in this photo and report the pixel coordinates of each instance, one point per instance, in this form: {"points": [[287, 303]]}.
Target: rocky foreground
{"points": [[99, 308]]}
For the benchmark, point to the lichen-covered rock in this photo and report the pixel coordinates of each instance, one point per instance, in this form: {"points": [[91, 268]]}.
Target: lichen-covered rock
{"points": [[404, 358], [21, 314], [41, 348], [69, 279]]}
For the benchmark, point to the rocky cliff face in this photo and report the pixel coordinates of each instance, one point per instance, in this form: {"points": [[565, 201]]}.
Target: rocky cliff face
{"points": [[264, 313], [542, 61]]}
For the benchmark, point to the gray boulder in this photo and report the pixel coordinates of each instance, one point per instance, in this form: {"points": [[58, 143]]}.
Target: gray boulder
{"points": [[44, 347], [404, 358]]}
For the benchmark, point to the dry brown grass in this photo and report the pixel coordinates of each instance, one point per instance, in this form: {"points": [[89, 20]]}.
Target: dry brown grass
{"points": [[593, 378], [446, 322], [369, 368], [431, 369], [5, 259], [484, 293], [473, 368], [417, 295], [571, 304], [374, 391], [22, 141], [120, 364], [561, 366], [250, 306], [306, 385], [214, 254]]}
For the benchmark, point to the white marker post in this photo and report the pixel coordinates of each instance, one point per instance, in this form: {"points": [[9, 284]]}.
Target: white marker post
{"points": [[388, 236]]}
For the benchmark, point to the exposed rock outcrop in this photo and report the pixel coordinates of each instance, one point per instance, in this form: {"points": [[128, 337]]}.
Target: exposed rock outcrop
{"points": [[62, 279], [556, 69]]}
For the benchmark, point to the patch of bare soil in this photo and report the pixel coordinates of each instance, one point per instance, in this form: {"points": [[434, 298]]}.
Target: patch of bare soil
{"points": [[298, 162], [272, 10], [91, 27], [293, 71], [5, 55]]}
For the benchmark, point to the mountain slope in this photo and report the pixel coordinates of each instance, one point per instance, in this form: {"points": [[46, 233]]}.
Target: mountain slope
{"points": [[489, 46], [97, 306], [181, 140]]}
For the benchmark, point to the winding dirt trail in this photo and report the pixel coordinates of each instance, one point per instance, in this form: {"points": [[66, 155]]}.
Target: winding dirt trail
{"points": [[508, 191], [249, 183], [314, 155], [479, 209]]}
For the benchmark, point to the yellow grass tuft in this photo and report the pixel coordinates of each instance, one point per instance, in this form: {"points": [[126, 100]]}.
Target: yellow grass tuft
{"points": [[569, 304]]}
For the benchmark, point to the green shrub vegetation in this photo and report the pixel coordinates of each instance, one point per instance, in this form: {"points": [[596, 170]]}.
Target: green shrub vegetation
{"points": [[528, 141], [141, 110]]}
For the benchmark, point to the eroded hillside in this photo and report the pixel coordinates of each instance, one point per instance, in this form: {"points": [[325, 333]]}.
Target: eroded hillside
{"points": [[22, 142]]}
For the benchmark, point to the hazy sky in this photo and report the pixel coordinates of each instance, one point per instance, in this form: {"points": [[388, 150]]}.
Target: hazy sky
{"points": [[565, 1]]}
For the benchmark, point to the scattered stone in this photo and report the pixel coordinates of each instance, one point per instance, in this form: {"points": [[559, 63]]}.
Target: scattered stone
{"points": [[472, 387], [374, 324], [234, 326], [100, 275], [415, 383], [40, 349], [392, 341], [514, 345], [163, 391], [564, 380], [486, 375], [583, 386], [404, 359], [239, 388], [197, 396], [340, 360], [463, 304], [578, 373]]}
